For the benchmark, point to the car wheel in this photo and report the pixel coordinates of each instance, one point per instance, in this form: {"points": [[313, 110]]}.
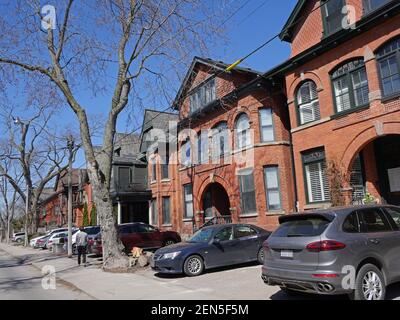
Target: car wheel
{"points": [[19, 240], [370, 284], [261, 256], [169, 242], [193, 266], [74, 250]]}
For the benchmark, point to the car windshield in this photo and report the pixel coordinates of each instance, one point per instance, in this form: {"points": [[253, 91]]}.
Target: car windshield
{"points": [[302, 227], [202, 236]]}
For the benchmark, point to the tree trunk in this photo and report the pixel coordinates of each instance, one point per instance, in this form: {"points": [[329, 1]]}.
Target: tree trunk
{"points": [[114, 258]]}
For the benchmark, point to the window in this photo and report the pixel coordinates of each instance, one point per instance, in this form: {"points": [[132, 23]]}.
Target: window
{"points": [[308, 226], [308, 103], [395, 214], [271, 177], [350, 85], [165, 167], [202, 147], [154, 211], [332, 15], [247, 191], [124, 177], [243, 138], [220, 141], [373, 220], [351, 223], [188, 201], [166, 210], [185, 154], [371, 5], [225, 234], [316, 179], [388, 59], [266, 125], [357, 180], [244, 231], [154, 170], [202, 95]]}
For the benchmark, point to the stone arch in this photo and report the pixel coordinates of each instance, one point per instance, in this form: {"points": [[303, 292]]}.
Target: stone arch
{"points": [[208, 181], [379, 129], [309, 75]]}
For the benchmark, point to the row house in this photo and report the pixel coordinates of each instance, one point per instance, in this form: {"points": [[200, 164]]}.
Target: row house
{"points": [[318, 130], [54, 201], [343, 89], [232, 155], [128, 188]]}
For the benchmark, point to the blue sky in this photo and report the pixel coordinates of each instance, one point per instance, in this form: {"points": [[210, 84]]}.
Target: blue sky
{"points": [[252, 25]]}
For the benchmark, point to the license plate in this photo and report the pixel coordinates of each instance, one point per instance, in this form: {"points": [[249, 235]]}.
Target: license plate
{"points": [[286, 254]]}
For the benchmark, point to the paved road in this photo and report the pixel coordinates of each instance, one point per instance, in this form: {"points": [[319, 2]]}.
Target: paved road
{"points": [[20, 281]]}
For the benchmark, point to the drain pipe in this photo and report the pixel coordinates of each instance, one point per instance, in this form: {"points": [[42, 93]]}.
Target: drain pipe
{"points": [[296, 198]]}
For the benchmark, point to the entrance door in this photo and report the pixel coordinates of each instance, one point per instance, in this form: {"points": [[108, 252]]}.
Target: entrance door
{"points": [[387, 153], [215, 201]]}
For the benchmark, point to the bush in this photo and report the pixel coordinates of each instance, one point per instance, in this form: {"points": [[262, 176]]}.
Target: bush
{"points": [[93, 216], [85, 220]]}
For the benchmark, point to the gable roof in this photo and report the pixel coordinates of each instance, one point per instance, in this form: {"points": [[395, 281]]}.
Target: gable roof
{"points": [[157, 120], [214, 65], [286, 33]]}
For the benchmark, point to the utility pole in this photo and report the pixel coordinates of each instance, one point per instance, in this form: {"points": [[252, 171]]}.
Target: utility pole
{"points": [[70, 146], [28, 199]]}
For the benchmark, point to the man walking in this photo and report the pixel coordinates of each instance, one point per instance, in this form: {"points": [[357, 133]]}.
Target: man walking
{"points": [[81, 243]]}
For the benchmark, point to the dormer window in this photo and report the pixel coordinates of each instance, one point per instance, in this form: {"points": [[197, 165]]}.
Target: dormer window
{"points": [[332, 15], [202, 95], [117, 152]]}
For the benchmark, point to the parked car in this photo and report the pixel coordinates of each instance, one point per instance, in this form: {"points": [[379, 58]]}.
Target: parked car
{"points": [[18, 237], [42, 242], [33, 242], [137, 234], [91, 231], [49, 244], [210, 247], [314, 252]]}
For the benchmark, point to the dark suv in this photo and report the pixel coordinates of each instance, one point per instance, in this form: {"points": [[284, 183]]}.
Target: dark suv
{"points": [[353, 250], [137, 234]]}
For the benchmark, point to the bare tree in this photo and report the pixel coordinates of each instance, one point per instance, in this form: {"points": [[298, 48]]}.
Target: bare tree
{"points": [[9, 197], [38, 154], [133, 40]]}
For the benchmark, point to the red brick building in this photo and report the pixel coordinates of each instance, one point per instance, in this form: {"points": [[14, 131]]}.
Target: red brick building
{"points": [[233, 156], [54, 202], [343, 89], [320, 129]]}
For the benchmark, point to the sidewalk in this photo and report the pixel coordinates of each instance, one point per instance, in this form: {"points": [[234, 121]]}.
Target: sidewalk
{"points": [[240, 283]]}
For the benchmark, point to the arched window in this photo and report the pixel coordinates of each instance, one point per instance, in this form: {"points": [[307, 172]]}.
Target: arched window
{"points": [[202, 146], [220, 140], [242, 127], [350, 85], [308, 103], [389, 67]]}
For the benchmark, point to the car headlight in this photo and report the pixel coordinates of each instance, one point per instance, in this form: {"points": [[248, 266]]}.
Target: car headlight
{"points": [[171, 255]]}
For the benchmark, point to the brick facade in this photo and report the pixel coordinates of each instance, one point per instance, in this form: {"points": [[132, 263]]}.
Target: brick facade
{"points": [[315, 55], [343, 137]]}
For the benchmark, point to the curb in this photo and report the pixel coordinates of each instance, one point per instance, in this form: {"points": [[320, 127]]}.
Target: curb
{"points": [[59, 279]]}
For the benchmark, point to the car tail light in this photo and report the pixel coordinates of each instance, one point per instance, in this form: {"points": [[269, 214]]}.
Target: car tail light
{"points": [[325, 275], [325, 245]]}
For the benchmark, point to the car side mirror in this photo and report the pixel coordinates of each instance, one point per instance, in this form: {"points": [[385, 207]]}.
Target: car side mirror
{"points": [[216, 241]]}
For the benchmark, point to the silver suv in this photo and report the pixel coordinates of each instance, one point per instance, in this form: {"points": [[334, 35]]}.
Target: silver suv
{"points": [[346, 250]]}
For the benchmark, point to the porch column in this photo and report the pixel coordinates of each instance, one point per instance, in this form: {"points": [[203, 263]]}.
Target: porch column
{"points": [[119, 213]]}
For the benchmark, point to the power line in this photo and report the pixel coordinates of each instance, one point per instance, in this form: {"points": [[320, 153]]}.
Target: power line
{"points": [[253, 12], [234, 13], [228, 69]]}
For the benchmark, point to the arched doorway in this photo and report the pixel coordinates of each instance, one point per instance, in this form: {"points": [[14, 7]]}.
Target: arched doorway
{"points": [[215, 201], [376, 170]]}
